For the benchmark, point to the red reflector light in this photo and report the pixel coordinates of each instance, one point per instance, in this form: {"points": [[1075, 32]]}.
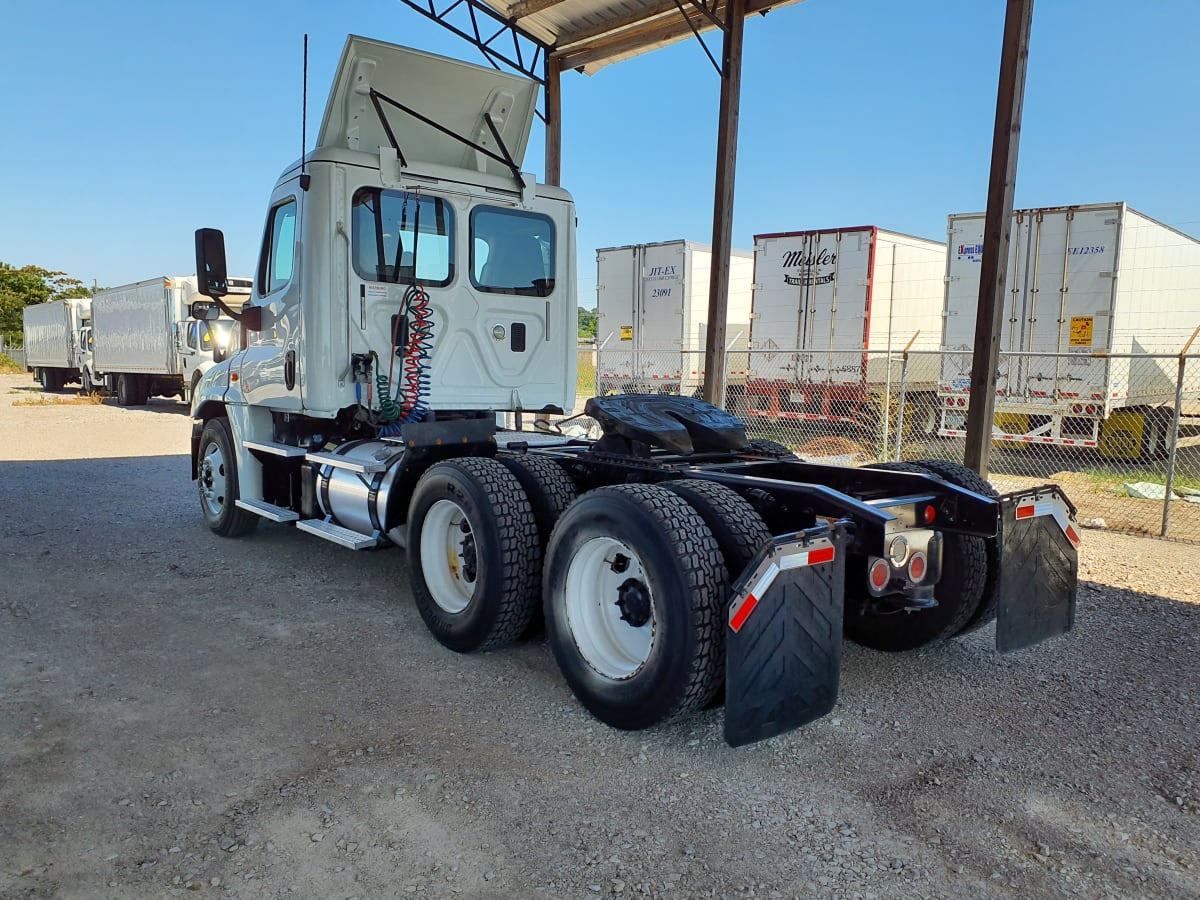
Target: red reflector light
{"points": [[1025, 512], [928, 514], [1076, 408], [743, 613], [879, 575], [916, 567]]}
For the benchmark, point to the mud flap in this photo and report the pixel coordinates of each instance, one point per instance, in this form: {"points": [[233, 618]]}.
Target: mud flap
{"points": [[1039, 567], [784, 636]]}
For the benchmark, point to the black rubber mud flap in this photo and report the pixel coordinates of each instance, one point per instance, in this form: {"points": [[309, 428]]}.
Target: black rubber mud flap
{"points": [[783, 648], [1039, 567]]}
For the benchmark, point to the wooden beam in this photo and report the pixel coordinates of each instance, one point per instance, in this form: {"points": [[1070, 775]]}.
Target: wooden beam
{"points": [[553, 120], [997, 232], [722, 240], [523, 8]]}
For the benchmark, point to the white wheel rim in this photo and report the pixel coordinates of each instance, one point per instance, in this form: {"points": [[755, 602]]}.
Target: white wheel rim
{"points": [[212, 480], [449, 556], [603, 574]]}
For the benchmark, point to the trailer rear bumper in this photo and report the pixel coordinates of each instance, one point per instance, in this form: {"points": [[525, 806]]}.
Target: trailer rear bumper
{"points": [[784, 636], [1039, 567]]}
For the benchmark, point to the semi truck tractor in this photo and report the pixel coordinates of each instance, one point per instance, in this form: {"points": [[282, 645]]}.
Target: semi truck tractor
{"points": [[833, 311], [1093, 291], [56, 336], [145, 344], [652, 307], [413, 283]]}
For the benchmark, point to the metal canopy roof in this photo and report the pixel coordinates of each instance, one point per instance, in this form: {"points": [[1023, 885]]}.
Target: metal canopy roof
{"points": [[580, 34], [591, 34]]}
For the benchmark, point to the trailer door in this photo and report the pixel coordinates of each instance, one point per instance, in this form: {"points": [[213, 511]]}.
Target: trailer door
{"points": [[617, 328], [662, 299], [1069, 302], [842, 305]]}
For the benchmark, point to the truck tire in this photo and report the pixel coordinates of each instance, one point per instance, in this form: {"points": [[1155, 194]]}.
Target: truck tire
{"points": [[474, 556], [53, 380], [959, 594], [633, 592], [739, 530], [547, 485], [217, 480], [130, 390], [957, 473], [773, 449]]}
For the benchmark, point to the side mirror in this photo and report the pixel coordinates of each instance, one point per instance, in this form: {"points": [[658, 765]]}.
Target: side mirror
{"points": [[210, 262], [204, 311]]}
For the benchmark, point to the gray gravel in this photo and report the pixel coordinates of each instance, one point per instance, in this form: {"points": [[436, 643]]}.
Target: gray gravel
{"points": [[183, 714]]}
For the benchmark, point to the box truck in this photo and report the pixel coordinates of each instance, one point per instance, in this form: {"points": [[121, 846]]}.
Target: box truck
{"points": [[145, 344], [652, 312], [833, 311], [412, 283], [56, 336], [1085, 285]]}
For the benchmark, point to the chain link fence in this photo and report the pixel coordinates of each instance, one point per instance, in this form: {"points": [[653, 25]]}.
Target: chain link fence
{"points": [[1121, 433]]}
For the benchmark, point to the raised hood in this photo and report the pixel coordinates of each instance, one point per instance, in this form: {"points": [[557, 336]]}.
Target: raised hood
{"points": [[454, 94]]}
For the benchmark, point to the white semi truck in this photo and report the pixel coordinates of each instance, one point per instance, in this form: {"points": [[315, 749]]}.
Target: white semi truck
{"points": [[56, 338], [1089, 287], [833, 311], [412, 284], [652, 311], [145, 344]]}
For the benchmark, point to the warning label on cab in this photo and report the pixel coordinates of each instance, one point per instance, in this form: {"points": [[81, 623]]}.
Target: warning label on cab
{"points": [[627, 332]]}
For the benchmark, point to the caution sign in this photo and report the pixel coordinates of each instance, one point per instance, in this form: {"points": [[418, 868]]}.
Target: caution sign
{"points": [[627, 333], [1081, 330]]}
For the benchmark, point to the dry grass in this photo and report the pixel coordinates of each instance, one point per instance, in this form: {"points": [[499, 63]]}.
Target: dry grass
{"points": [[92, 399], [8, 366]]}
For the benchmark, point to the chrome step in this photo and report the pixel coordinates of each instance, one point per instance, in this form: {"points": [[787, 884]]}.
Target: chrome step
{"points": [[350, 465], [269, 510], [323, 528], [273, 448]]}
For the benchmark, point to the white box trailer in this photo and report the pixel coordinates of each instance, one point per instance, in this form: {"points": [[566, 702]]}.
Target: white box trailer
{"points": [[833, 311], [147, 345], [55, 340], [1084, 283], [652, 315]]}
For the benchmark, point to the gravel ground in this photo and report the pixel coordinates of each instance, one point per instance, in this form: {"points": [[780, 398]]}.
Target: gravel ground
{"points": [[268, 716]]}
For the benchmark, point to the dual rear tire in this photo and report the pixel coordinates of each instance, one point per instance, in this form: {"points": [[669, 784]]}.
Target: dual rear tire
{"points": [[633, 580]]}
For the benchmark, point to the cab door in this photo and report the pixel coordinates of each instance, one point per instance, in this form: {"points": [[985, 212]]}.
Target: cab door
{"points": [[268, 372]]}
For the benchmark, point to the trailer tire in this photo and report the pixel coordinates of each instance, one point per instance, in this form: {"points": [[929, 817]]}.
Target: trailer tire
{"points": [[773, 449], [960, 593], [480, 592], [217, 480], [957, 473], [660, 655]]}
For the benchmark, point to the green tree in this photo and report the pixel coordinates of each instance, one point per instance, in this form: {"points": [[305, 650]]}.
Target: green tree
{"points": [[29, 285], [587, 323]]}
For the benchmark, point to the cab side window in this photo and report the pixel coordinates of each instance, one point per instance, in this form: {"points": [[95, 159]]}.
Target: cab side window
{"points": [[279, 248], [512, 252]]}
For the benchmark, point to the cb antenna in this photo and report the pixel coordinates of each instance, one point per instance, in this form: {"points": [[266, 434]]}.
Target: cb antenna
{"points": [[305, 178]]}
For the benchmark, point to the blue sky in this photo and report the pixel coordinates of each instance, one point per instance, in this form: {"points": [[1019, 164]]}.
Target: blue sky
{"points": [[128, 125]]}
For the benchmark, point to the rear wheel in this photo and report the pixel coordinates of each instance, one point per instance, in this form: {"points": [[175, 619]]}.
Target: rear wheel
{"points": [[474, 555], [958, 474], [549, 489], [130, 390], [633, 591], [959, 593], [217, 479], [740, 532], [53, 380]]}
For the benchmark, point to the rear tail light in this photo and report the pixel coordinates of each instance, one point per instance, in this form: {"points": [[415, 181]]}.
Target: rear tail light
{"points": [[917, 567], [879, 574]]}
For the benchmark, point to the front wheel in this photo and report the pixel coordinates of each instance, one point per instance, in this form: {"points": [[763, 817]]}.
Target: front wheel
{"points": [[217, 479], [633, 592], [474, 555]]}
